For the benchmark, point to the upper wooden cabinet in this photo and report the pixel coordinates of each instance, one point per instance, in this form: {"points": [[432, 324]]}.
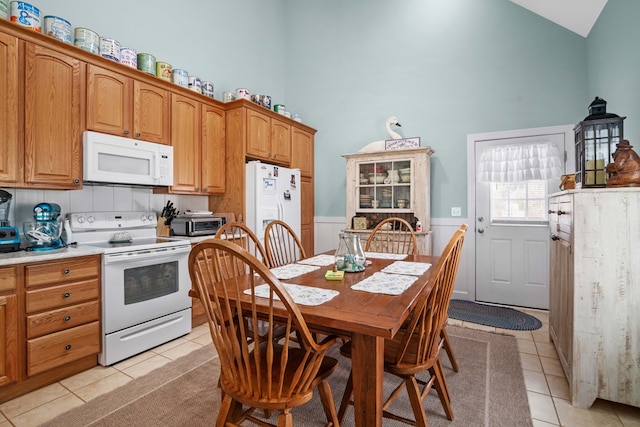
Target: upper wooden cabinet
{"points": [[53, 124], [120, 105], [268, 139], [9, 110], [197, 135], [302, 151]]}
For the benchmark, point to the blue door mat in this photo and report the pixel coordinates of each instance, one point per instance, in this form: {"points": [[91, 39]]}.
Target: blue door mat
{"points": [[491, 315]]}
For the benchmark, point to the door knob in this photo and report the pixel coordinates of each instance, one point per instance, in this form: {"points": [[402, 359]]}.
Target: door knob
{"points": [[480, 218], [480, 230]]}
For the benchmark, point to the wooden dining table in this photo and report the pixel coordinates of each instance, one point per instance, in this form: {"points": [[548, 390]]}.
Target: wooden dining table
{"points": [[368, 319]]}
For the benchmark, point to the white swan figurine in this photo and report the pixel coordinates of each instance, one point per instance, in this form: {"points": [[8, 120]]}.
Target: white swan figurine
{"points": [[379, 145]]}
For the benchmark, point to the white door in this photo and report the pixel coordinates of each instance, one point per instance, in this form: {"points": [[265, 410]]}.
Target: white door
{"points": [[512, 235]]}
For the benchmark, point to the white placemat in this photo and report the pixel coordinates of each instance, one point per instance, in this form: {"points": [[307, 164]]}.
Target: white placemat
{"points": [[319, 260], [385, 283], [407, 267], [383, 255], [303, 295], [288, 271]]}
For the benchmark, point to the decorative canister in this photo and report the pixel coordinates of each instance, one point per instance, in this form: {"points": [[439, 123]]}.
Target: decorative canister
{"points": [[86, 39], [129, 57], [207, 89], [257, 99], [242, 93], [297, 117], [180, 77], [110, 48], [195, 84], [25, 14], [266, 101], [58, 28], [279, 108], [228, 96], [163, 70], [147, 63], [4, 9], [287, 114]]}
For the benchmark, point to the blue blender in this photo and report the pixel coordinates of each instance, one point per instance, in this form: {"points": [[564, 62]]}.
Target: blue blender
{"points": [[9, 236], [44, 232]]}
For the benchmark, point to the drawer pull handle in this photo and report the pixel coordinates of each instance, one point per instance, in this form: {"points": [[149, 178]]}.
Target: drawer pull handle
{"points": [[67, 347], [554, 237], [562, 213], [66, 271], [67, 318], [551, 212], [66, 295]]}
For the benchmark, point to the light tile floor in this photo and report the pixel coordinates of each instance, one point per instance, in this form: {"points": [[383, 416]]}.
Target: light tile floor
{"points": [[547, 388]]}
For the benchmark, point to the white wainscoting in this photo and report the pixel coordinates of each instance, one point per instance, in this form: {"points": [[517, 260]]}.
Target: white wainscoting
{"points": [[328, 228]]}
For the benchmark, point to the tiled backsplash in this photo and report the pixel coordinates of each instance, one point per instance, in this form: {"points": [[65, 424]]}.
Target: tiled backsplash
{"points": [[97, 198]]}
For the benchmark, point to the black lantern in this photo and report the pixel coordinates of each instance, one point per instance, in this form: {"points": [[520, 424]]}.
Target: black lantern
{"points": [[596, 138]]}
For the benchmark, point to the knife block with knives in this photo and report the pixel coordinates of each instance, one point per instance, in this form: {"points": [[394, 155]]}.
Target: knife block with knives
{"points": [[169, 212]]}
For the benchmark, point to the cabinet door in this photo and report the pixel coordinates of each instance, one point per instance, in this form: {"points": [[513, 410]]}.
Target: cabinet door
{"points": [[53, 126], [213, 150], [8, 339], [280, 141], [9, 103], [306, 215], [151, 113], [109, 101], [302, 151], [185, 138], [258, 135]]}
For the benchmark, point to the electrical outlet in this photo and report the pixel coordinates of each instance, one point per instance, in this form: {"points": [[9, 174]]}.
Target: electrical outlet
{"points": [[456, 211]]}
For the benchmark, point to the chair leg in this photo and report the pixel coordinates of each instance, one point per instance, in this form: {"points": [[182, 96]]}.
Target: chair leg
{"points": [[285, 419], [225, 410], [413, 390], [449, 349], [326, 397], [346, 398], [440, 385]]}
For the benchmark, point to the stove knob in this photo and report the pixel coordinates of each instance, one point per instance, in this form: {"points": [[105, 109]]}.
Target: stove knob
{"points": [[90, 219], [150, 217], [80, 219], [143, 217]]}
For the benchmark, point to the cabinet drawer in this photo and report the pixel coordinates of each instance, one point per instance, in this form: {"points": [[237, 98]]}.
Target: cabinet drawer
{"points": [[63, 318], [8, 278], [51, 351], [62, 271], [63, 295]]}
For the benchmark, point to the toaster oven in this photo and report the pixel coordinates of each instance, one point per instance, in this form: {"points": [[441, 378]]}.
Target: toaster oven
{"points": [[196, 226]]}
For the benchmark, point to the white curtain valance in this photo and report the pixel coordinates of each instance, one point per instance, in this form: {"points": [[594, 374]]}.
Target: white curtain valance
{"points": [[516, 163]]}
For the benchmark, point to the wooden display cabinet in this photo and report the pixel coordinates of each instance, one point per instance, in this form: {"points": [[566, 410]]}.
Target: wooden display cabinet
{"points": [[376, 189]]}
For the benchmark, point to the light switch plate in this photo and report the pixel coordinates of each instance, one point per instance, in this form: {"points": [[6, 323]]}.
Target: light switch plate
{"points": [[456, 211]]}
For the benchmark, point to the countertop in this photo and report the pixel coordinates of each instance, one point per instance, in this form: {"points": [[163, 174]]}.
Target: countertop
{"points": [[21, 257]]}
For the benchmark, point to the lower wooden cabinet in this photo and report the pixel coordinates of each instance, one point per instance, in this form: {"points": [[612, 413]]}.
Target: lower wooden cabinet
{"points": [[58, 302]]}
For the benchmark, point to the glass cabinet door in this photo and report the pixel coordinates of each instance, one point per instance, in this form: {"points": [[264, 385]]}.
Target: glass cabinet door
{"points": [[385, 186]]}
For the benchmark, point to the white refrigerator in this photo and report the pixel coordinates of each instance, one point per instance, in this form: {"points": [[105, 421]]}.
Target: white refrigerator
{"points": [[273, 192]]}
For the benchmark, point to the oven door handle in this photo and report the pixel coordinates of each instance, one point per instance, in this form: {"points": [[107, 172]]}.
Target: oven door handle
{"points": [[140, 255]]}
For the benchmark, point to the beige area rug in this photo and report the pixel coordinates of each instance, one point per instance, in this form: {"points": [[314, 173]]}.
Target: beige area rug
{"points": [[489, 390]]}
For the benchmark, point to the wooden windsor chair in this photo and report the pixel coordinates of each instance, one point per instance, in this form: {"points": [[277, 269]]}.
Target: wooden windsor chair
{"points": [[282, 244], [392, 235], [272, 376], [416, 347]]}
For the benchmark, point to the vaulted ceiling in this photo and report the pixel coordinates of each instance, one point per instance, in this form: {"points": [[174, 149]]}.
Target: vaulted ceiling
{"points": [[575, 15]]}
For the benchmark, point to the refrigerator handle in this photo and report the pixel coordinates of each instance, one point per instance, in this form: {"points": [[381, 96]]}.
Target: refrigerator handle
{"points": [[280, 211]]}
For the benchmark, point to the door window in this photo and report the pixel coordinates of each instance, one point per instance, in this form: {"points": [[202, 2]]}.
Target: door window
{"points": [[522, 202]]}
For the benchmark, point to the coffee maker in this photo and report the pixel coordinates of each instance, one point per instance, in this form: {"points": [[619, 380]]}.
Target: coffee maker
{"points": [[9, 236], [44, 232]]}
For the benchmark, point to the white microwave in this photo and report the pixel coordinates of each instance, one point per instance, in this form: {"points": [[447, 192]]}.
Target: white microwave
{"points": [[117, 160]]}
